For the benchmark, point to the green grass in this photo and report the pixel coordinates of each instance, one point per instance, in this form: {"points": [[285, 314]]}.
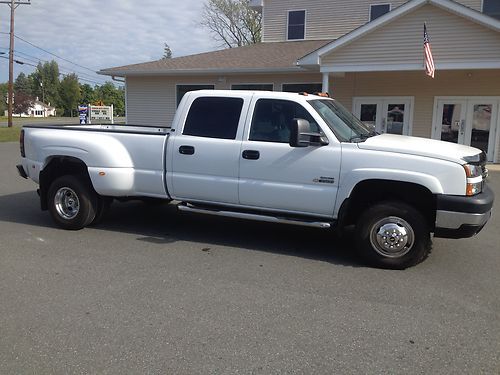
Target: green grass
{"points": [[9, 134]]}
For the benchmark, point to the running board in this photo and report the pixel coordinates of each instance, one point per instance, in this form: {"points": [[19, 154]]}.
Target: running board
{"points": [[243, 215]]}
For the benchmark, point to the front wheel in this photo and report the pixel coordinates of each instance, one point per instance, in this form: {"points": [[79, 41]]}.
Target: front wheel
{"points": [[393, 235], [72, 202]]}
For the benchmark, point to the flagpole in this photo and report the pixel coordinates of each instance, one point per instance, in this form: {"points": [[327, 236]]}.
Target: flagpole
{"points": [[423, 55]]}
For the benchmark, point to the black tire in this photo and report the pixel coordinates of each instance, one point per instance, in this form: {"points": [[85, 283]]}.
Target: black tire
{"points": [[103, 205], [72, 202], [393, 235]]}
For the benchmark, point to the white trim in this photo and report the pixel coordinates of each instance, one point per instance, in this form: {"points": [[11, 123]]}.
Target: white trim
{"points": [[126, 102], [496, 151], [404, 67], [191, 84], [314, 58], [374, 5], [155, 72], [288, 20], [252, 83]]}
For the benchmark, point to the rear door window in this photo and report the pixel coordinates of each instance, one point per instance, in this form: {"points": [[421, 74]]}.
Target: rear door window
{"points": [[214, 117]]}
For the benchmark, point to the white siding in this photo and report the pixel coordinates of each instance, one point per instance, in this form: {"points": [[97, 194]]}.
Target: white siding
{"points": [[326, 19], [454, 39]]}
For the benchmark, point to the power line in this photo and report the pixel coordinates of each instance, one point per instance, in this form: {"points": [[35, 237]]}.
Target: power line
{"points": [[60, 73], [53, 54], [63, 69]]}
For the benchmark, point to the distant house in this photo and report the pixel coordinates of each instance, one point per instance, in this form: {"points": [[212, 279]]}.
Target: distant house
{"points": [[368, 54], [37, 109]]}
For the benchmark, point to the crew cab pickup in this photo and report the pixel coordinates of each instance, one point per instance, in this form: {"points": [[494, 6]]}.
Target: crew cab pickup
{"points": [[271, 156]]}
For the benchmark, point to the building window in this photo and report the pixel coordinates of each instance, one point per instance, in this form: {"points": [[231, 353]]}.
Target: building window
{"points": [[253, 87], [492, 8], [183, 89], [214, 117], [302, 87], [379, 10], [296, 24]]}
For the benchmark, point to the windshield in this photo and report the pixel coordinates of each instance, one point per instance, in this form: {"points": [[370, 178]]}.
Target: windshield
{"points": [[343, 123]]}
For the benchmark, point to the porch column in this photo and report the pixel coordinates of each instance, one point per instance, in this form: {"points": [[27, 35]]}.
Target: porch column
{"points": [[326, 83]]}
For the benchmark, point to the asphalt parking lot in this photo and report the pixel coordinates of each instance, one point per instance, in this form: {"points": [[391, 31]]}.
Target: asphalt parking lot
{"points": [[151, 290]]}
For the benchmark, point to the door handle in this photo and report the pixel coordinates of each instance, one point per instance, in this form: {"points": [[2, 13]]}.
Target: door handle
{"points": [[186, 150], [251, 154], [462, 127]]}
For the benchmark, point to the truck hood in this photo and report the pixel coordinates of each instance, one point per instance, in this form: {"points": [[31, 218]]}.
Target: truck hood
{"points": [[419, 146]]}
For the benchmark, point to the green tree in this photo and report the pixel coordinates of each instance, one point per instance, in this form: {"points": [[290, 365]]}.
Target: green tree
{"points": [[87, 94], [69, 93], [46, 82], [23, 84], [3, 98], [110, 94], [232, 22]]}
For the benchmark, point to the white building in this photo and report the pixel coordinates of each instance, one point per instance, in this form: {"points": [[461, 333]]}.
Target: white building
{"points": [[37, 109]]}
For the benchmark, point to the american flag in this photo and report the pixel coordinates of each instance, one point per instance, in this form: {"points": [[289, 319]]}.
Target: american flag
{"points": [[428, 59]]}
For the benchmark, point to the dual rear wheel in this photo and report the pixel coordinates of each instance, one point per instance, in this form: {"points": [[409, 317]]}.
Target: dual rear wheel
{"points": [[73, 203]]}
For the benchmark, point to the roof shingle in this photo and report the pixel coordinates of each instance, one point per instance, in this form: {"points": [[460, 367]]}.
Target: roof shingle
{"points": [[269, 57]]}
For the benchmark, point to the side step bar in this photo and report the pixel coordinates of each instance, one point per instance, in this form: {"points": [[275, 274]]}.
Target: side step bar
{"points": [[243, 215]]}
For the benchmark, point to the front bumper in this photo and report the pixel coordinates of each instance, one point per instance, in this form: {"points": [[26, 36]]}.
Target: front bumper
{"points": [[460, 216]]}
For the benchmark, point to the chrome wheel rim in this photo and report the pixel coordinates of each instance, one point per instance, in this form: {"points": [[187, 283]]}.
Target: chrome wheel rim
{"points": [[67, 203], [392, 237]]}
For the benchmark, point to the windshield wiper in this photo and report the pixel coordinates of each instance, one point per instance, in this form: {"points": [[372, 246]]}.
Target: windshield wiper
{"points": [[363, 137]]}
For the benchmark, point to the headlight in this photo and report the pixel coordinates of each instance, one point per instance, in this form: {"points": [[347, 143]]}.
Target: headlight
{"points": [[474, 179], [472, 171]]}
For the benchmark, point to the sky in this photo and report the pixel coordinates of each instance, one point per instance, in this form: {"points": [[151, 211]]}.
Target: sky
{"points": [[97, 34]]}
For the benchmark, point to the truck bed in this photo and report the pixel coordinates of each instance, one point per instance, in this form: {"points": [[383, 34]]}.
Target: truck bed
{"points": [[130, 156]]}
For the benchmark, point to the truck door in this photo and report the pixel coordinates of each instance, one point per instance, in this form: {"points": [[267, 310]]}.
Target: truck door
{"points": [[274, 175], [205, 157]]}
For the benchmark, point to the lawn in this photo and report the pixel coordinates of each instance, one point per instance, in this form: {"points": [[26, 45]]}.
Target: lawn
{"points": [[9, 134]]}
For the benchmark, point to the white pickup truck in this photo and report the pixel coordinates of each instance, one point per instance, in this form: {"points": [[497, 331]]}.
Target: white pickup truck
{"points": [[271, 156]]}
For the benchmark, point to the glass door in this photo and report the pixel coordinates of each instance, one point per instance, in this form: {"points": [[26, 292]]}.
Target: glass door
{"points": [[468, 121], [481, 124], [385, 114], [451, 120]]}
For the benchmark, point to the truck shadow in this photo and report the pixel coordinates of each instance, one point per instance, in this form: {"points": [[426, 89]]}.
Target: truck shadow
{"points": [[163, 224]]}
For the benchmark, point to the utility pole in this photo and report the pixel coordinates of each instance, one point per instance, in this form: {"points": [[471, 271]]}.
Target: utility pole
{"points": [[13, 5]]}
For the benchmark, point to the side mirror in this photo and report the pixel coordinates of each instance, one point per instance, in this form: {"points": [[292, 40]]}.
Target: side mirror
{"points": [[301, 135]]}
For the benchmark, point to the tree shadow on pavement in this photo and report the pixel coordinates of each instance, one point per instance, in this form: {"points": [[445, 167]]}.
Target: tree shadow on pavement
{"points": [[162, 223]]}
